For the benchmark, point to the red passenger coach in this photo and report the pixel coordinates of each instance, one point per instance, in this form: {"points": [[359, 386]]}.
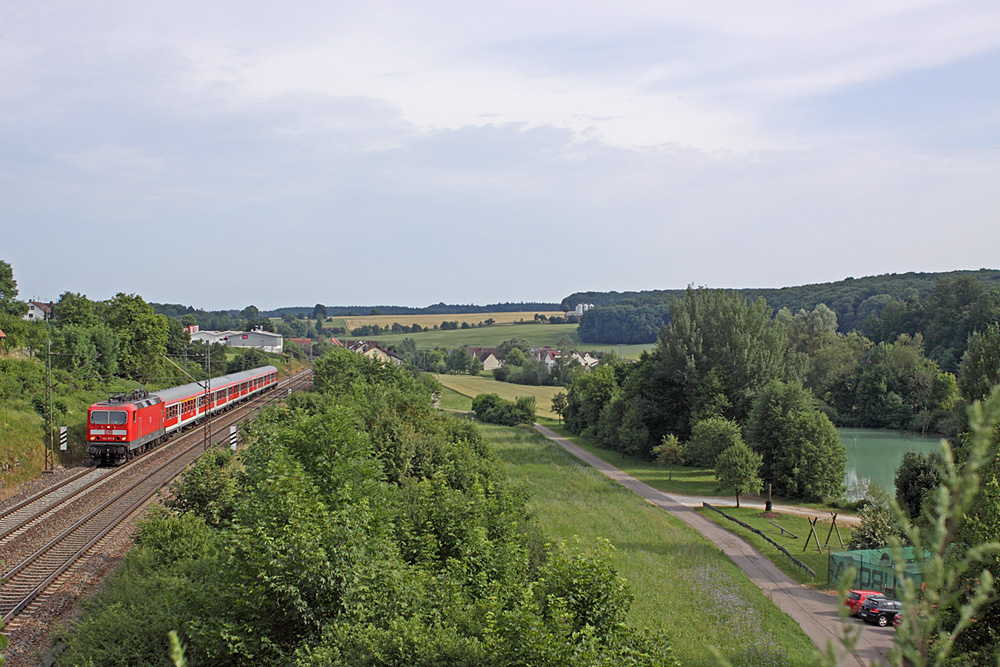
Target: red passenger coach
{"points": [[129, 424]]}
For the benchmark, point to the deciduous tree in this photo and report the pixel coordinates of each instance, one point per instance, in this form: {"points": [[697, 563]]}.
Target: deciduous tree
{"points": [[142, 335], [980, 369], [738, 468], [916, 477], [709, 438], [803, 456]]}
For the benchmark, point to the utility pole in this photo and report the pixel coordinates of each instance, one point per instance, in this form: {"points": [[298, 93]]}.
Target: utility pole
{"points": [[207, 444], [50, 465]]}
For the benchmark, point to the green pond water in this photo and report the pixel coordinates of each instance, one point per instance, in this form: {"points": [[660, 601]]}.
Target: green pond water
{"points": [[874, 455]]}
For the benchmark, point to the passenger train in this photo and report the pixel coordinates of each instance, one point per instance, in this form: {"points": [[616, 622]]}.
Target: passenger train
{"points": [[129, 424]]}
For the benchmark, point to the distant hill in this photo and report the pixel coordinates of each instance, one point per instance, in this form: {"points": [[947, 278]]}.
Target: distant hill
{"points": [[853, 299]]}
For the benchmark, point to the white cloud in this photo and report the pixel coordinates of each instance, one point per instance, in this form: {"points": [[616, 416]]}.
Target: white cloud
{"points": [[388, 140]]}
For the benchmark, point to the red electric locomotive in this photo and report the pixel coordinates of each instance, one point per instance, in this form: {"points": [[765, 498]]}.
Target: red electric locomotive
{"points": [[129, 424]]}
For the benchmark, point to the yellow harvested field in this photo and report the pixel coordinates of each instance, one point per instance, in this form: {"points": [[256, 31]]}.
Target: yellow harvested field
{"points": [[473, 385], [428, 321]]}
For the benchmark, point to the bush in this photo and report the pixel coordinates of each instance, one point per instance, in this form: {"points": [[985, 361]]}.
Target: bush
{"points": [[492, 409]]}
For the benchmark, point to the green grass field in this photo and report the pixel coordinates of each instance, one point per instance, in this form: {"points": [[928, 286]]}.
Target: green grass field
{"points": [[452, 400], [681, 480], [535, 334], [473, 385], [683, 585], [799, 547], [701, 482], [432, 320]]}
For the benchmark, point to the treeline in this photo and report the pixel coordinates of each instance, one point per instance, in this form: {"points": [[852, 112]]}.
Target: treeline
{"points": [[359, 527], [722, 358], [854, 301], [436, 309]]}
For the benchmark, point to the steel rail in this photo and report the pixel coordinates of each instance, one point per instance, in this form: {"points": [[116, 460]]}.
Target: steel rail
{"points": [[31, 517], [70, 546]]}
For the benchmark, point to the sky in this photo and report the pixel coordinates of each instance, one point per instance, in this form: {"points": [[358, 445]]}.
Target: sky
{"points": [[221, 154]]}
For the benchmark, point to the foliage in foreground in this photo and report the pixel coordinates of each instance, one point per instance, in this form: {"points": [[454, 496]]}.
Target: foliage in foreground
{"points": [[359, 528]]}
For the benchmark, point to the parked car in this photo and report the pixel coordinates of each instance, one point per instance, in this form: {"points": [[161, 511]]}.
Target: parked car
{"points": [[879, 610], [856, 598]]}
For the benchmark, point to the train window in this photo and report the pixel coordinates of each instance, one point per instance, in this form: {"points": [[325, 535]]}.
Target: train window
{"points": [[117, 417]]}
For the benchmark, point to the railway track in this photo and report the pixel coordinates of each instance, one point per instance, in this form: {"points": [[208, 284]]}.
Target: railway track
{"points": [[64, 523]]}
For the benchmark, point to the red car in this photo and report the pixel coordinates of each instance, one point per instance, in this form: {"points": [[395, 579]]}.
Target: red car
{"points": [[857, 598]]}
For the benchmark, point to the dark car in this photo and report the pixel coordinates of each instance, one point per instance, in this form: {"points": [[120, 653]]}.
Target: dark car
{"points": [[856, 598], [879, 610]]}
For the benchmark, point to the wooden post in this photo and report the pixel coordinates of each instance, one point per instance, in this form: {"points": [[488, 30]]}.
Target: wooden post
{"points": [[833, 525], [813, 534]]}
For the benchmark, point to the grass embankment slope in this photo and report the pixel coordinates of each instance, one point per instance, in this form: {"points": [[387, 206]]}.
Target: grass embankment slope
{"points": [[687, 481], [22, 435], [682, 583], [473, 385]]}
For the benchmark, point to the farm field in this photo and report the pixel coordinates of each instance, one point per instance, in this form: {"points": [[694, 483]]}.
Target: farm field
{"points": [[535, 334], [430, 320], [473, 385], [668, 565]]}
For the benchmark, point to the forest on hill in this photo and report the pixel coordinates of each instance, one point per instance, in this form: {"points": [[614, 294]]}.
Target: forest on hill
{"points": [[944, 307]]}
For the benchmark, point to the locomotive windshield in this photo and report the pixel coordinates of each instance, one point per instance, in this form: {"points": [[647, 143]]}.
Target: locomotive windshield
{"points": [[108, 417]]}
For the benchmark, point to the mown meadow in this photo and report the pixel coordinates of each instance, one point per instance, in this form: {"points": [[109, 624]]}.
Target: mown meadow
{"points": [[473, 385]]}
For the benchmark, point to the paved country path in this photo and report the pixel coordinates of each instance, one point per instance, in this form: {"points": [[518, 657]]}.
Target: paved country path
{"points": [[815, 611]]}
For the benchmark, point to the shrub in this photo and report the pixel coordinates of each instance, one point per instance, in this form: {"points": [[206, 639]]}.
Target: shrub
{"points": [[492, 409]]}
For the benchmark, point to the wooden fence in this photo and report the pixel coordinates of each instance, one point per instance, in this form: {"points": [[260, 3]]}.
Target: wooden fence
{"points": [[780, 548]]}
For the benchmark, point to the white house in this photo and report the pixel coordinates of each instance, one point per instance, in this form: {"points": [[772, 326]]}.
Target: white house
{"points": [[487, 355], [38, 311], [259, 339]]}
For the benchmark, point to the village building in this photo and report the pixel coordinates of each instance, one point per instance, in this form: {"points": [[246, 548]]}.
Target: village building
{"points": [[266, 341], [373, 350], [487, 355], [39, 311]]}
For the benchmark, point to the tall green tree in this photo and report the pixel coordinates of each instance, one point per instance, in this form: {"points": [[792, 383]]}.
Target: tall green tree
{"points": [[142, 335], [711, 332], [955, 310], [980, 369], [917, 477], [75, 308], [669, 452], [802, 454], [709, 438], [8, 292], [737, 468]]}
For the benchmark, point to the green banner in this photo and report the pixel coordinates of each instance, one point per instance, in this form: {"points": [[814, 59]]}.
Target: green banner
{"points": [[875, 569]]}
